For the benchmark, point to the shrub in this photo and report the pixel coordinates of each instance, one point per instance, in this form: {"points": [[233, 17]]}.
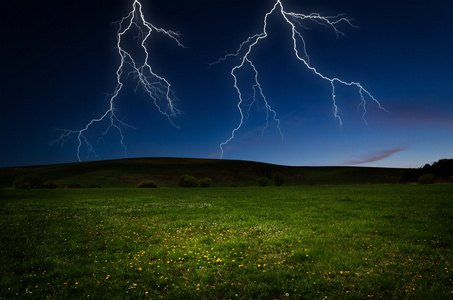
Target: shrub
{"points": [[28, 182], [147, 184], [263, 181], [279, 179], [427, 178], [49, 185], [188, 181], [205, 182], [94, 186], [74, 186]]}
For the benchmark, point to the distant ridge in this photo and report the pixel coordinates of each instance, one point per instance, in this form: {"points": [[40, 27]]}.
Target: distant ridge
{"points": [[166, 172]]}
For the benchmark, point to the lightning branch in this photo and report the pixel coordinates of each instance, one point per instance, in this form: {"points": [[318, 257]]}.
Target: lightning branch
{"points": [[295, 23], [157, 87]]}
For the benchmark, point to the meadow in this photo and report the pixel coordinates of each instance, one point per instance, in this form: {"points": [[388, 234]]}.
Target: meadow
{"points": [[299, 242]]}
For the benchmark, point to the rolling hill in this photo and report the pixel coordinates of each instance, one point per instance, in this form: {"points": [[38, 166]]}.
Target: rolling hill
{"points": [[166, 172]]}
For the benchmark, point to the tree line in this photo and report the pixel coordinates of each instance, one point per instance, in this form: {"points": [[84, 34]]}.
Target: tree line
{"points": [[440, 171]]}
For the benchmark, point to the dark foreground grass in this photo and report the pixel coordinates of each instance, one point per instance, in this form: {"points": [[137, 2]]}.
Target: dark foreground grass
{"points": [[320, 242]]}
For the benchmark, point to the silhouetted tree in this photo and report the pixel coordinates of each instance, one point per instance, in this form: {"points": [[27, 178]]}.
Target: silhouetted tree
{"points": [[442, 170]]}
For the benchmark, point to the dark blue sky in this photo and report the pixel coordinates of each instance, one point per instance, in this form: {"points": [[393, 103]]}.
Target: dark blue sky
{"points": [[58, 64]]}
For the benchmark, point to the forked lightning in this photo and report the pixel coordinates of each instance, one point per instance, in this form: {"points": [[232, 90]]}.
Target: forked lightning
{"points": [[294, 21], [156, 86]]}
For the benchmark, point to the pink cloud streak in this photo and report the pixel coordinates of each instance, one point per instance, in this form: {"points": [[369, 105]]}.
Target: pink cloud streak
{"points": [[372, 157]]}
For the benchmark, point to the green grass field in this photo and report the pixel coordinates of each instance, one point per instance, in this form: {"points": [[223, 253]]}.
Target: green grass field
{"points": [[319, 242]]}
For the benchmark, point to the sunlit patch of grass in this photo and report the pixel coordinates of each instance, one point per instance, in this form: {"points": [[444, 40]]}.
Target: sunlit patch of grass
{"points": [[281, 243]]}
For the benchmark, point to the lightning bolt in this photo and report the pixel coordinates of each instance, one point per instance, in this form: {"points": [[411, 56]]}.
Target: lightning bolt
{"points": [[294, 20], [156, 87]]}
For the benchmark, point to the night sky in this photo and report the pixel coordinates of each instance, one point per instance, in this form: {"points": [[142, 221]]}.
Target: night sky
{"points": [[58, 64]]}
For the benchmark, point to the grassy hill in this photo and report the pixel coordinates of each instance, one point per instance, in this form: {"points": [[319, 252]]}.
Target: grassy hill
{"points": [[168, 171]]}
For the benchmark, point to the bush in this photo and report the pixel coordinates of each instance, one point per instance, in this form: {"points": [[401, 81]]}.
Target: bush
{"points": [[94, 186], [28, 182], [147, 184], [49, 185], [188, 181], [74, 186], [205, 182], [263, 181], [279, 179], [427, 178]]}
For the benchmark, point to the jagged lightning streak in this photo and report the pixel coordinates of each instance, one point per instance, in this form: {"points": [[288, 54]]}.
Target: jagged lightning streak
{"points": [[156, 86], [294, 20]]}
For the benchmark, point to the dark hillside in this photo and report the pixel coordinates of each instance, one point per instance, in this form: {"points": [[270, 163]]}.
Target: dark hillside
{"points": [[168, 171]]}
